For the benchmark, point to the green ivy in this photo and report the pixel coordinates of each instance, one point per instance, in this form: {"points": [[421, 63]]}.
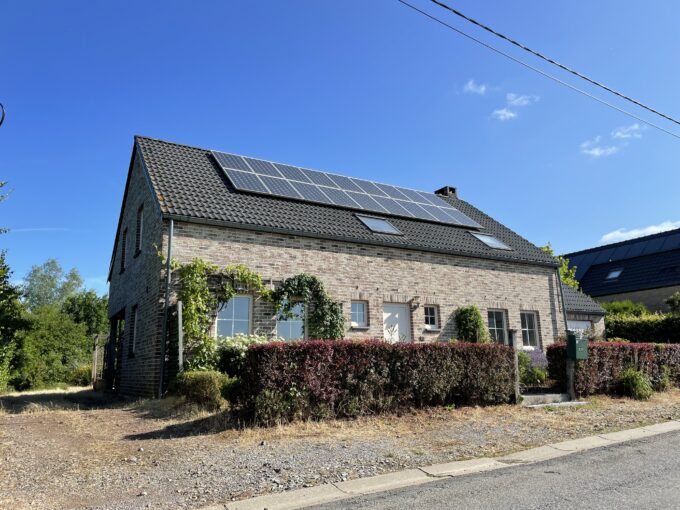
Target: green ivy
{"points": [[324, 316], [202, 286]]}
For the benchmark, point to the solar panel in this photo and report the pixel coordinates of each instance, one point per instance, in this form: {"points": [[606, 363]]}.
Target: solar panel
{"points": [[246, 181], [264, 177]]}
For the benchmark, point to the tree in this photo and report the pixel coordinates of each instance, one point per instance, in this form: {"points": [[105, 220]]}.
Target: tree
{"points": [[11, 321], [50, 349], [86, 307], [567, 274], [48, 285], [673, 302], [625, 307]]}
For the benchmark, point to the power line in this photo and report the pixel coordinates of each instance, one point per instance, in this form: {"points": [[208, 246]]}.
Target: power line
{"points": [[539, 71], [554, 62]]}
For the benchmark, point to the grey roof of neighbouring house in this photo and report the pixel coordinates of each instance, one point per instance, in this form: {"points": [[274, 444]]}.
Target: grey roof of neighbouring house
{"points": [[190, 186], [646, 262], [577, 302]]}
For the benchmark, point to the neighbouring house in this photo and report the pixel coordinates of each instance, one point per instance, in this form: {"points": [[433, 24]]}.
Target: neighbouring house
{"points": [[584, 314], [399, 261], [644, 270]]}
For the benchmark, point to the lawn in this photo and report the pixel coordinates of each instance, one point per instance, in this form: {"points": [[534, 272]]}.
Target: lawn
{"points": [[75, 449]]}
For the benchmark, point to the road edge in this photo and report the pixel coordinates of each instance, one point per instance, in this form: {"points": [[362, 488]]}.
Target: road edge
{"points": [[301, 498]]}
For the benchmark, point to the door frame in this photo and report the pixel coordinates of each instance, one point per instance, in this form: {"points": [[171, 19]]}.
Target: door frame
{"points": [[409, 322]]}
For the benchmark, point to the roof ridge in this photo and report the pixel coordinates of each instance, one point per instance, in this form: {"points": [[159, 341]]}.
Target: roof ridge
{"points": [[622, 243]]}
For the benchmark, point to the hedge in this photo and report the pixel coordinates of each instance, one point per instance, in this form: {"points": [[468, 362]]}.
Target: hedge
{"points": [[658, 328], [318, 379], [601, 372]]}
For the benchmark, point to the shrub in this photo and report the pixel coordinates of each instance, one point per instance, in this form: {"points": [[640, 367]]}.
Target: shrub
{"points": [[202, 387], [318, 379], [673, 302], [530, 375], [6, 355], [602, 371], [81, 375], [625, 307], [231, 389], [470, 326], [664, 383], [636, 384], [231, 351], [660, 328]]}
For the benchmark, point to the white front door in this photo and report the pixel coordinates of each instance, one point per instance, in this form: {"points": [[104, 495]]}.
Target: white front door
{"points": [[396, 322]]}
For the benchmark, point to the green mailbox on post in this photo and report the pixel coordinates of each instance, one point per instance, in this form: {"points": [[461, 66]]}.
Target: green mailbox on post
{"points": [[577, 346]]}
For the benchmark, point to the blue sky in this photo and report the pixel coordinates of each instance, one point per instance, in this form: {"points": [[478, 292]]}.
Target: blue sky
{"points": [[367, 89]]}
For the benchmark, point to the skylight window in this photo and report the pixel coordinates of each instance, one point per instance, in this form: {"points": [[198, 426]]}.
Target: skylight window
{"points": [[491, 241], [614, 274], [379, 225]]}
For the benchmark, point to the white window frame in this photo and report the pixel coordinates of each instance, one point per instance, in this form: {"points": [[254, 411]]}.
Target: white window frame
{"points": [[435, 315], [493, 332], [233, 320], [288, 323], [359, 323], [571, 322], [527, 346]]}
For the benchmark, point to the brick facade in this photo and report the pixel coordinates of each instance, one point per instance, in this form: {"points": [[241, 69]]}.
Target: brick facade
{"points": [[349, 271]]}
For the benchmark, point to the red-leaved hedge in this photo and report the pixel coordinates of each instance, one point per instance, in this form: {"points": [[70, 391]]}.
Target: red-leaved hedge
{"points": [[601, 372], [317, 379]]}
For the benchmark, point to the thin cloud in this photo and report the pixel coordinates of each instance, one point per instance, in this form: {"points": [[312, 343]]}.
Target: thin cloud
{"points": [[503, 114], [623, 234], [595, 149], [472, 87], [38, 229], [520, 100], [627, 132]]}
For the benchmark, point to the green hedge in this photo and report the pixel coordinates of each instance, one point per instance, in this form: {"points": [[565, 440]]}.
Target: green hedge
{"points": [[657, 328], [607, 361], [317, 379], [202, 387]]}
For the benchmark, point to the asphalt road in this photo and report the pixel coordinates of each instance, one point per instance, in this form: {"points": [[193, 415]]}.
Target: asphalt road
{"points": [[636, 474]]}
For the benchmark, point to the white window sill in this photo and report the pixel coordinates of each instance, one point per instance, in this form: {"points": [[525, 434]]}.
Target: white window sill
{"points": [[359, 328], [433, 329]]}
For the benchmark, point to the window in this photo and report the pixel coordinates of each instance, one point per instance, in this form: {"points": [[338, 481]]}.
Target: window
{"points": [[491, 241], [497, 326], [233, 317], [379, 225], [431, 317], [123, 245], [133, 331], [138, 230], [614, 274], [529, 329], [293, 328], [359, 315]]}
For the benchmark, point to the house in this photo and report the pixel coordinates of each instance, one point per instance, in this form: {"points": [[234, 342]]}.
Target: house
{"points": [[584, 314], [644, 270], [399, 261]]}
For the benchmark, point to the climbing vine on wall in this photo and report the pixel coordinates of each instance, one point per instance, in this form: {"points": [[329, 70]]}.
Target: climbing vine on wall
{"points": [[201, 287], [324, 316]]}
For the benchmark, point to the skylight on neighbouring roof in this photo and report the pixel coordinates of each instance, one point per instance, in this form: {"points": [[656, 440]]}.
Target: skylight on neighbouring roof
{"points": [[614, 274], [379, 225], [491, 241]]}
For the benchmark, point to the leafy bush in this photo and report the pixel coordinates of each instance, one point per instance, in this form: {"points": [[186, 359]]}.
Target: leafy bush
{"points": [[317, 379], [664, 383], [47, 352], [661, 328], [625, 307], [231, 351], [81, 375], [470, 326], [673, 302], [202, 387], [530, 375], [6, 355], [602, 371], [231, 389], [636, 384]]}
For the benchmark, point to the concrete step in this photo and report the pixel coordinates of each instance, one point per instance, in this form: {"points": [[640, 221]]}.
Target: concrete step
{"points": [[533, 399]]}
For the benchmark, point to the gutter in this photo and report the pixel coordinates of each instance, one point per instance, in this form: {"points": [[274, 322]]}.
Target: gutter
{"points": [[564, 306], [168, 277]]}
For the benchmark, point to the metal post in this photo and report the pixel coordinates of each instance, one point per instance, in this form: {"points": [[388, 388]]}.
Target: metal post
{"points": [[180, 339], [513, 344]]}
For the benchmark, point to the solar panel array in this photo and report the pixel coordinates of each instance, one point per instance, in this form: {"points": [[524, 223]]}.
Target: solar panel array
{"points": [[264, 177]]}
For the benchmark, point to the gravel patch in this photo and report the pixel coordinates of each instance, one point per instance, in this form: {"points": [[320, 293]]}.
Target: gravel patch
{"points": [[74, 450]]}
